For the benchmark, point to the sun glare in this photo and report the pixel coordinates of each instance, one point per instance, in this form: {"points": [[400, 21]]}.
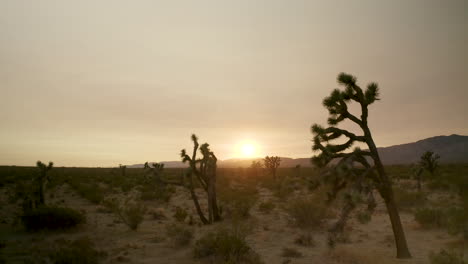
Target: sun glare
{"points": [[248, 150]]}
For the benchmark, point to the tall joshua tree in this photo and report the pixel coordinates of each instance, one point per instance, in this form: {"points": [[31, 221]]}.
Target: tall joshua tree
{"points": [[337, 106], [271, 164], [42, 179], [204, 170], [429, 161]]}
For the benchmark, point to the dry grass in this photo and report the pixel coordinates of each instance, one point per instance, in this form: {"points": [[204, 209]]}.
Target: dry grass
{"points": [[342, 255]]}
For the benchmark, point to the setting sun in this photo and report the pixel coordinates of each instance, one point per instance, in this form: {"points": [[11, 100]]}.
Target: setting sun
{"points": [[248, 150]]}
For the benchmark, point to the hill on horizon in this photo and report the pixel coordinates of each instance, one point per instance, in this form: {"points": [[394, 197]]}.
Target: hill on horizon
{"points": [[452, 149]]}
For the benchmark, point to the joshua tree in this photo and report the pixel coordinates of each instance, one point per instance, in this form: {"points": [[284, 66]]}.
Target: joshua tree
{"points": [[337, 106], [123, 169], [256, 166], [417, 172], [204, 169], [271, 164], [429, 161], [155, 170], [42, 179]]}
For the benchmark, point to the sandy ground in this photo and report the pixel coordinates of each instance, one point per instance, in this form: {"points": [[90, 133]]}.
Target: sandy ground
{"points": [[369, 243]]}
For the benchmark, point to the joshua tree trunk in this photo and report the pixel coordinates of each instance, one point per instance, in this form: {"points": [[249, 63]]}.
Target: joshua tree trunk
{"points": [[386, 191], [195, 201]]}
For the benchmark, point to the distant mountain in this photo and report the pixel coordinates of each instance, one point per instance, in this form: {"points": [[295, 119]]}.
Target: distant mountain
{"points": [[452, 149]]}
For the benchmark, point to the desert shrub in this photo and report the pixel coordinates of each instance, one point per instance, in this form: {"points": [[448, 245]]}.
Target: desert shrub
{"points": [[150, 192], [179, 234], [305, 240], [266, 207], [180, 214], [408, 199], [91, 192], [227, 246], [452, 219], [364, 217], [445, 257], [51, 218], [429, 217], [345, 256], [130, 212], [307, 212], [239, 200], [291, 253], [80, 251]]}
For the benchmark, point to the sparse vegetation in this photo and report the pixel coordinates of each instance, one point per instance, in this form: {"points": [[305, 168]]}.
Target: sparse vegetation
{"points": [[291, 253], [130, 212], [307, 213], [445, 257], [179, 234], [226, 246], [266, 207], [51, 218]]}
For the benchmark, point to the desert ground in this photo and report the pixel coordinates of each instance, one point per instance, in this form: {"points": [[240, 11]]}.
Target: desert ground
{"points": [[255, 207]]}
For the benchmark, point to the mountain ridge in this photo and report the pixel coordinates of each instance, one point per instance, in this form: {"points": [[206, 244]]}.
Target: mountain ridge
{"points": [[452, 149]]}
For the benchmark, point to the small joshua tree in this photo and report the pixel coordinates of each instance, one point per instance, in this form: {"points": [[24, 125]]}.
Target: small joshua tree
{"points": [[204, 170], [429, 161], [417, 172], [123, 169], [42, 180], [271, 164], [156, 170], [256, 167], [337, 106]]}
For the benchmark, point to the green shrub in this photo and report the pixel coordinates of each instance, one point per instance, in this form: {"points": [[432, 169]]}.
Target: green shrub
{"points": [[227, 246], [291, 253], [364, 217], [266, 207], [445, 257], [305, 240], [179, 234], [452, 219], [408, 199], [51, 218], [130, 212], [430, 218], [307, 212], [180, 214], [80, 251], [152, 192]]}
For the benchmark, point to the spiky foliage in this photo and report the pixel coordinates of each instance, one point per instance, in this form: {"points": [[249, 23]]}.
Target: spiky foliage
{"points": [[256, 167], [204, 170], [271, 164], [42, 179], [430, 162], [372, 168], [155, 171]]}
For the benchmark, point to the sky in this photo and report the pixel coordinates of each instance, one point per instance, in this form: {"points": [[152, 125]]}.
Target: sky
{"points": [[101, 83]]}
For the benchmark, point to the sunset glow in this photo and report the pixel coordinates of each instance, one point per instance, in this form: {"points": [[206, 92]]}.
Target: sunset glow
{"points": [[248, 150]]}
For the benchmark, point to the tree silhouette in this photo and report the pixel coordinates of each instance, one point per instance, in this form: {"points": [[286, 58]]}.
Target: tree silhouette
{"points": [[429, 161], [155, 170], [204, 169], [42, 179], [271, 164], [256, 167], [337, 106]]}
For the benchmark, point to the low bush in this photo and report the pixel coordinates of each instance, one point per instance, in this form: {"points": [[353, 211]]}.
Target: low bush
{"points": [[364, 217], [180, 214], [179, 234], [291, 253], [80, 251], [52, 218], [266, 207], [226, 246], [130, 212], [305, 240], [307, 212], [408, 199], [452, 219], [445, 257]]}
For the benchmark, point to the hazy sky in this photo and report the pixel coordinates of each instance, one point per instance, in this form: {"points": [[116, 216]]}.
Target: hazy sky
{"points": [[98, 83]]}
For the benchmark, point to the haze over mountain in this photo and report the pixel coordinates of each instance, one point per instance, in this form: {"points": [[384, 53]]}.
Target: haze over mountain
{"points": [[452, 149]]}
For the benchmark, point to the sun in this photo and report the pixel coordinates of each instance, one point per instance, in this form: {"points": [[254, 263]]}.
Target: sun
{"points": [[248, 150]]}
